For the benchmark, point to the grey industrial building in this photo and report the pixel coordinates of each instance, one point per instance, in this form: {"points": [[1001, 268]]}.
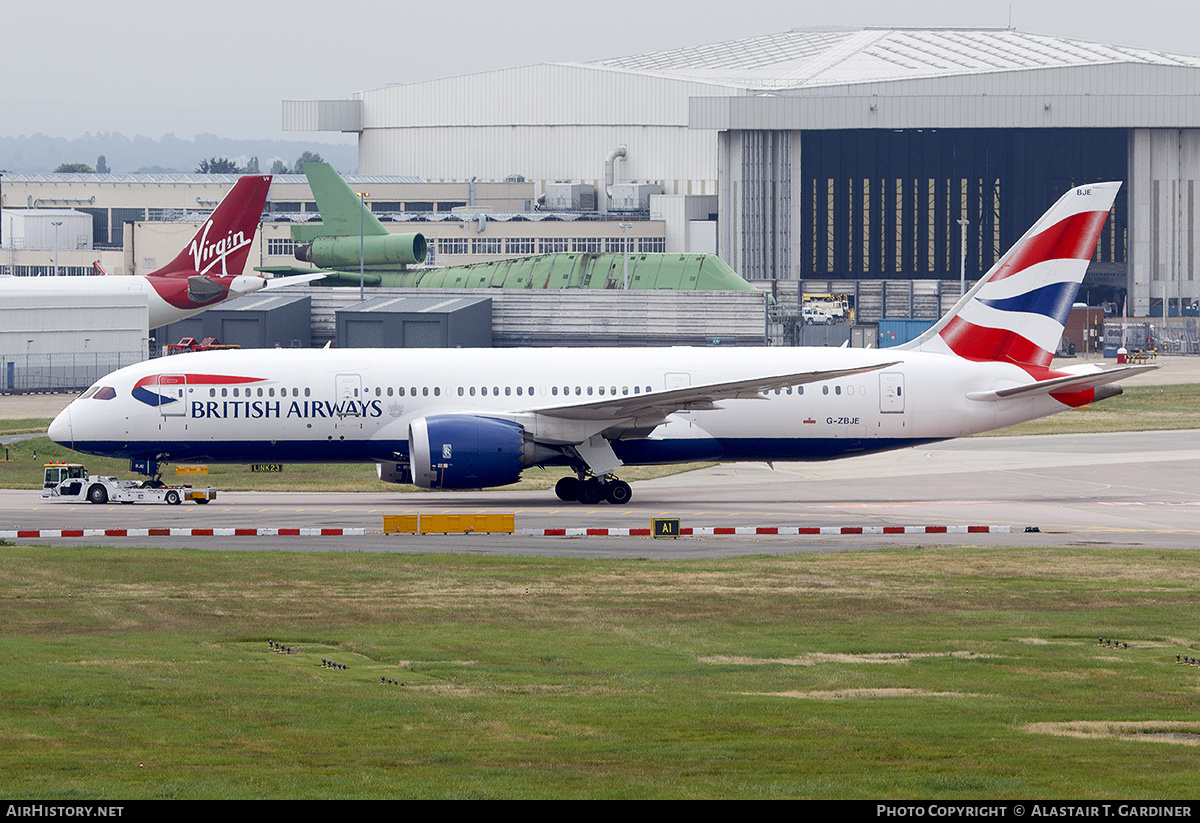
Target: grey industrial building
{"points": [[836, 154]]}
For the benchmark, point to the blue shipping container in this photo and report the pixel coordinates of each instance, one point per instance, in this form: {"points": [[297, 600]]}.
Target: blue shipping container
{"points": [[894, 332]]}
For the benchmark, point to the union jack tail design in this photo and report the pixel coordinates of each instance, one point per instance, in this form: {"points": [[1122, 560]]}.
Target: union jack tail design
{"points": [[1016, 313], [222, 244]]}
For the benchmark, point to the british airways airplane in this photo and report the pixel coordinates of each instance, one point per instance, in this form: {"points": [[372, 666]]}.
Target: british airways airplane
{"points": [[207, 271], [476, 418]]}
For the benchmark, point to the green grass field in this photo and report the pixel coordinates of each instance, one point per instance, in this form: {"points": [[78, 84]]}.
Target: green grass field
{"points": [[1139, 408], [927, 673], [945, 673]]}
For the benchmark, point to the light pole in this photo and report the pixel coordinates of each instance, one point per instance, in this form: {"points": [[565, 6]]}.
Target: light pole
{"points": [[56, 224], [962, 263], [362, 217], [625, 248]]}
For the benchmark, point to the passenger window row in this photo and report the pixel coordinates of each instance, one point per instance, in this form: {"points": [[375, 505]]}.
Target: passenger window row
{"points": [[258, 392], [509, 391]]}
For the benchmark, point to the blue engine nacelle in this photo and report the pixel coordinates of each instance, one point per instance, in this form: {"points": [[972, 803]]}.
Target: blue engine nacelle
{"points": [[461, 451]]}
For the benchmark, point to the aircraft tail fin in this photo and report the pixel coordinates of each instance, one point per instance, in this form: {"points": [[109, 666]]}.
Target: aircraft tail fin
{"points": [[1017, 312], [343, 213], [222, 244]]}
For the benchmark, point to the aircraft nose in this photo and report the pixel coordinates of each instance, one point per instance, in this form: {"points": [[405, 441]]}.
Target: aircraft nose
{"points": [[60, 429], [246, 283]]}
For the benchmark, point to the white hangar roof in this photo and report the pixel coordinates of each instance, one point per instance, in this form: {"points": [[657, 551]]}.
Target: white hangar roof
{"points": [[552, 120], [954, 70], [807, 59]]}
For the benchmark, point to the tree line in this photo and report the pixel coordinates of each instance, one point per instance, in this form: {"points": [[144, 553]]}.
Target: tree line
{"points": [[211, 165]]}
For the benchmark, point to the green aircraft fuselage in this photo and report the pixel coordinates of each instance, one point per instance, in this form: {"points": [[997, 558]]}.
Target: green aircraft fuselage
{"points": [[566, 270]]}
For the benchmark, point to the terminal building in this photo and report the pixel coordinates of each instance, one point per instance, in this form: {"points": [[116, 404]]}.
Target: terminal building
{"points": [[835, 156]]}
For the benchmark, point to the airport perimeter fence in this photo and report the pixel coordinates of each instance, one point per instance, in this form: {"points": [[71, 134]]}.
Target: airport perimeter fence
{"points": [[1175, 335], [72, 371]]}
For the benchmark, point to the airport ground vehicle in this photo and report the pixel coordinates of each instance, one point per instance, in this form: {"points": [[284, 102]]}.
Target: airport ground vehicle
{"points": [[70, 482], [816, 316], [192, 344], [826, 309]]}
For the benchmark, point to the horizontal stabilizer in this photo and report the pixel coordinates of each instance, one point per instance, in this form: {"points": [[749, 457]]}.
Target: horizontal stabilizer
{"points": [[293, 280], [329, 277], [1068, 384], [285, 269]]}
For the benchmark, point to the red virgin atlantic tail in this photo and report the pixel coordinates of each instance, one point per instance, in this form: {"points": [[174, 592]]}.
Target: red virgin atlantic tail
{"points": [[222, 244]]}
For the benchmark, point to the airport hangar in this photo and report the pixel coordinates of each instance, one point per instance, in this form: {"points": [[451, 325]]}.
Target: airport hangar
{"points": [[837, 155]]}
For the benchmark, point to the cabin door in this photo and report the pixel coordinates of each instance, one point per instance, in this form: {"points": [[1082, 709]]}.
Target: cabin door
{"points": [[891, 392], [172, 393]]}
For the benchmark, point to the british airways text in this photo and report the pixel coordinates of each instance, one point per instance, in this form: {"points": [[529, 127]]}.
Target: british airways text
{"points": [[261, 409]]}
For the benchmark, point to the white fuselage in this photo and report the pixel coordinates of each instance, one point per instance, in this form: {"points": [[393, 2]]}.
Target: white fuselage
{"points": [[358, 404], [167, 300]]}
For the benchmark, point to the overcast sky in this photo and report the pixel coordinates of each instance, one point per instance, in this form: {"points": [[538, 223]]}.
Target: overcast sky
{"points": [[224, 66]]}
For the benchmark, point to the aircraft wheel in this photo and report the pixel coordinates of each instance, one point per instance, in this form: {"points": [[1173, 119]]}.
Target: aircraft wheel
{"points": [[97, 494], [591, 492], [567, 488], [173, 498], [618, 493]]}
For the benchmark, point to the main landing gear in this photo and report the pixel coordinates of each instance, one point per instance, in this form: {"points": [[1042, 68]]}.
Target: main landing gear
{"points": [[591, 490]]}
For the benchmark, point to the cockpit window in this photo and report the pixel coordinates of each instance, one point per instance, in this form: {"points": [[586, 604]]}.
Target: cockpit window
{"points": [[105, 393], [89, 393]]}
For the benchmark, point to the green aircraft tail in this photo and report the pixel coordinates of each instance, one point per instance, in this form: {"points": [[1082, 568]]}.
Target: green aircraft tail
{"points": [[342, 211]]}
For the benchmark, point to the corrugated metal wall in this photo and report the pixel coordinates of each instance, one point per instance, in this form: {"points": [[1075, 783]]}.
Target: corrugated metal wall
{"points": [[604, 318], [1164, 168], [547, 122], [683, 161], [767, 215]]}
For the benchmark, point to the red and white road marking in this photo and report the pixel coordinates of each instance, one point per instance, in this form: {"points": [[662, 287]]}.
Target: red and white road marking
{"points": [[686, 531], [181, 532], [714, 531]]}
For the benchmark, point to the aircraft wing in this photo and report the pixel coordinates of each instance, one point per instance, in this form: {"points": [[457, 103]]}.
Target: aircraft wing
{"points": [[1069, 383], [700, 397]]}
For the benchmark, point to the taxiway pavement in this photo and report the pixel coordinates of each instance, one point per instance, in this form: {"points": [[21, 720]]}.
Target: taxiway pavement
{"points": [[1137, 489]]}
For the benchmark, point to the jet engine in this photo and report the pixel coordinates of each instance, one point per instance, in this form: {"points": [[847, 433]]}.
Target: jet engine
{"points": [[462, 451], [377, 250]]}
